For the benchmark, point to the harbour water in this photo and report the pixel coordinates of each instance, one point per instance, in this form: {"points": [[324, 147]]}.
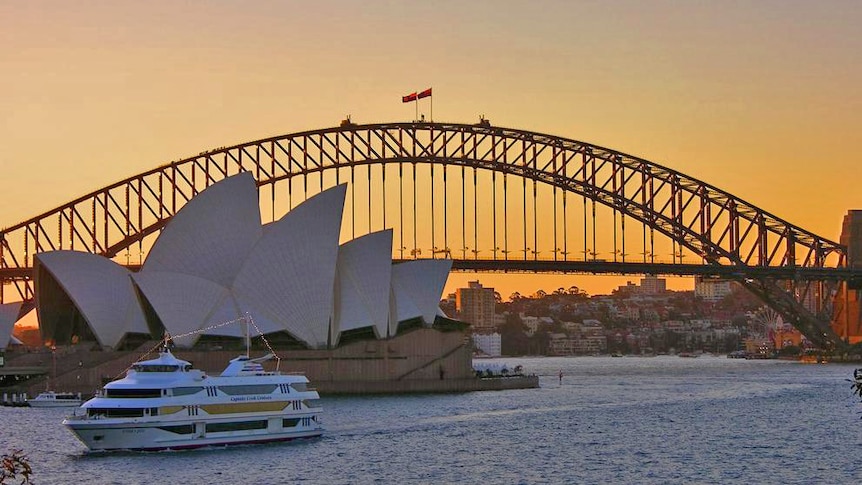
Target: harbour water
{"points": [[612, 420]]}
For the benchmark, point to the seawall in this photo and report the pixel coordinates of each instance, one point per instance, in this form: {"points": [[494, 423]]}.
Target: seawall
{"points": [[419, 361]]}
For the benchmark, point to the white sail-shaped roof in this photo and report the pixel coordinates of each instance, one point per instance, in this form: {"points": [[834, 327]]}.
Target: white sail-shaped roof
{"points": [[182, 302], [100, 289], [8, 317], [401, 307], [212, 234], [214, 263], [363, 276], [416, 289], [289, 276]]}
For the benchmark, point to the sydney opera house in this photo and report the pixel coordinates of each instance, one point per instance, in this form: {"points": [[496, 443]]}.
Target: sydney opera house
{"points": [[215, 262], [9, 314]]}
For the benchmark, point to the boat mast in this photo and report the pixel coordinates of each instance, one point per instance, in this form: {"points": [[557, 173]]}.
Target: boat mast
{"points": [[53, 375], [245, 320]]}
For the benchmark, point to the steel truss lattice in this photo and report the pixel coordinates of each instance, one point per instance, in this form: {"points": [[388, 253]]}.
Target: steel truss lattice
{"points": [[791, 269]]}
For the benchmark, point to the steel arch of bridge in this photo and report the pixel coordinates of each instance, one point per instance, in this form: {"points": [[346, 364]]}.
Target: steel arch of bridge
{"points": [[783, 264]]}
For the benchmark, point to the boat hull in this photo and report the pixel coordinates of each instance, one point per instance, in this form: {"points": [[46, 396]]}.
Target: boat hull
{"points": [[153, 437], [51, 399], [53, 404]]}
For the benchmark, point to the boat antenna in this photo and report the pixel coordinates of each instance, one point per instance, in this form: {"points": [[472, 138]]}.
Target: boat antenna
{"points": [[166, 342], [53, 367], [247, 320]]}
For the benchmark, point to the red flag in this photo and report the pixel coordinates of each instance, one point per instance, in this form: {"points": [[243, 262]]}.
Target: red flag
{"points": [[409, 97], [424, 94]]}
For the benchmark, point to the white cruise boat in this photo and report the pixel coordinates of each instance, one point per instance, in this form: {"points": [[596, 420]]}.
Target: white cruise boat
{"points": [[51, 399], [165, 404]]}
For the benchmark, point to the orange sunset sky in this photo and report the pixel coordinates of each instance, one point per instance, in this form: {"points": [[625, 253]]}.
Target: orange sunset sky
{"points": [[759, 98]]}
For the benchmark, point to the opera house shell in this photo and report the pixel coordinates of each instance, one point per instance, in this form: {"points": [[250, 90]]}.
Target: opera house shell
{"points": [[214, 262], [9, 314]]}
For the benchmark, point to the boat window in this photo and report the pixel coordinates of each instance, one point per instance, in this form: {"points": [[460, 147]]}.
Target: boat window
{"points": [[299, 386], [237, 426], [115, 413], [289, 422], [185, 391], [155, 368], [133, 393], [249, 389], [179, 429]]}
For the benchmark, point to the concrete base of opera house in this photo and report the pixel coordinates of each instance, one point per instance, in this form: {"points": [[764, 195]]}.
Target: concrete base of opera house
{"points": [[422, 360]]}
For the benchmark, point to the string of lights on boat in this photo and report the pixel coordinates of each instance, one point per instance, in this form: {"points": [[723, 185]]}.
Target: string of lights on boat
{"points": [[243, 319]]}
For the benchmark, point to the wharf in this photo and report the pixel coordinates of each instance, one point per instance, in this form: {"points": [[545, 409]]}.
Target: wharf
{"points": [[14, 400]]}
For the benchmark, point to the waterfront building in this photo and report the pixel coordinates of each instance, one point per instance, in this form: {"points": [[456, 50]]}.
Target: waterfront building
{"points": [[476, 305], [561, 344], [489, 344], [591, 344]]}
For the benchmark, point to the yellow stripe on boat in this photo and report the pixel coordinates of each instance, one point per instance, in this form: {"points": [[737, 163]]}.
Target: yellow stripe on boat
{"points": [[245, 407], [170, 409]]}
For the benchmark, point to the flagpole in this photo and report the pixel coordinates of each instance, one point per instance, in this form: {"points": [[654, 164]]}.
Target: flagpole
{"points": [[432, 105], [416, 104]]}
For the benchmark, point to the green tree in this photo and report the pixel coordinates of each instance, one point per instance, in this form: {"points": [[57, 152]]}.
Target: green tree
{"points": [[513, 336]]}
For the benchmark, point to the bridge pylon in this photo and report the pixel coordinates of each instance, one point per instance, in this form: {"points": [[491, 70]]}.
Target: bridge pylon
{"points": [[847, 319]]}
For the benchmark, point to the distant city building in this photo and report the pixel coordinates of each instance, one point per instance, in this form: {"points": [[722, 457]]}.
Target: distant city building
{"points": [[475, 305], [488, 343], [628, 289], [591, 344], [848, 305], [628, 312], [499, 320], [532, 324], [561, 344], [653, 285], [711, 289]]}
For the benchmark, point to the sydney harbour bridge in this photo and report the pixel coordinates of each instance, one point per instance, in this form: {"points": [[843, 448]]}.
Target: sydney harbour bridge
{"points": [[492, 199]]}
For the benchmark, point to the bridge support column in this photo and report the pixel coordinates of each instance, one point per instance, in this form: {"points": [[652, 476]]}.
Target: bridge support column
{"points": [[848, 318]]}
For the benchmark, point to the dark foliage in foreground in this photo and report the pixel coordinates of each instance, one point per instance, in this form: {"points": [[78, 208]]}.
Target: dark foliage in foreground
{"points": [[16, 466]]}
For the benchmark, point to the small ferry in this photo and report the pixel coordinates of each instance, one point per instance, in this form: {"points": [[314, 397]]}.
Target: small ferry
{"points": [[166, 404], [51, 399]]}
